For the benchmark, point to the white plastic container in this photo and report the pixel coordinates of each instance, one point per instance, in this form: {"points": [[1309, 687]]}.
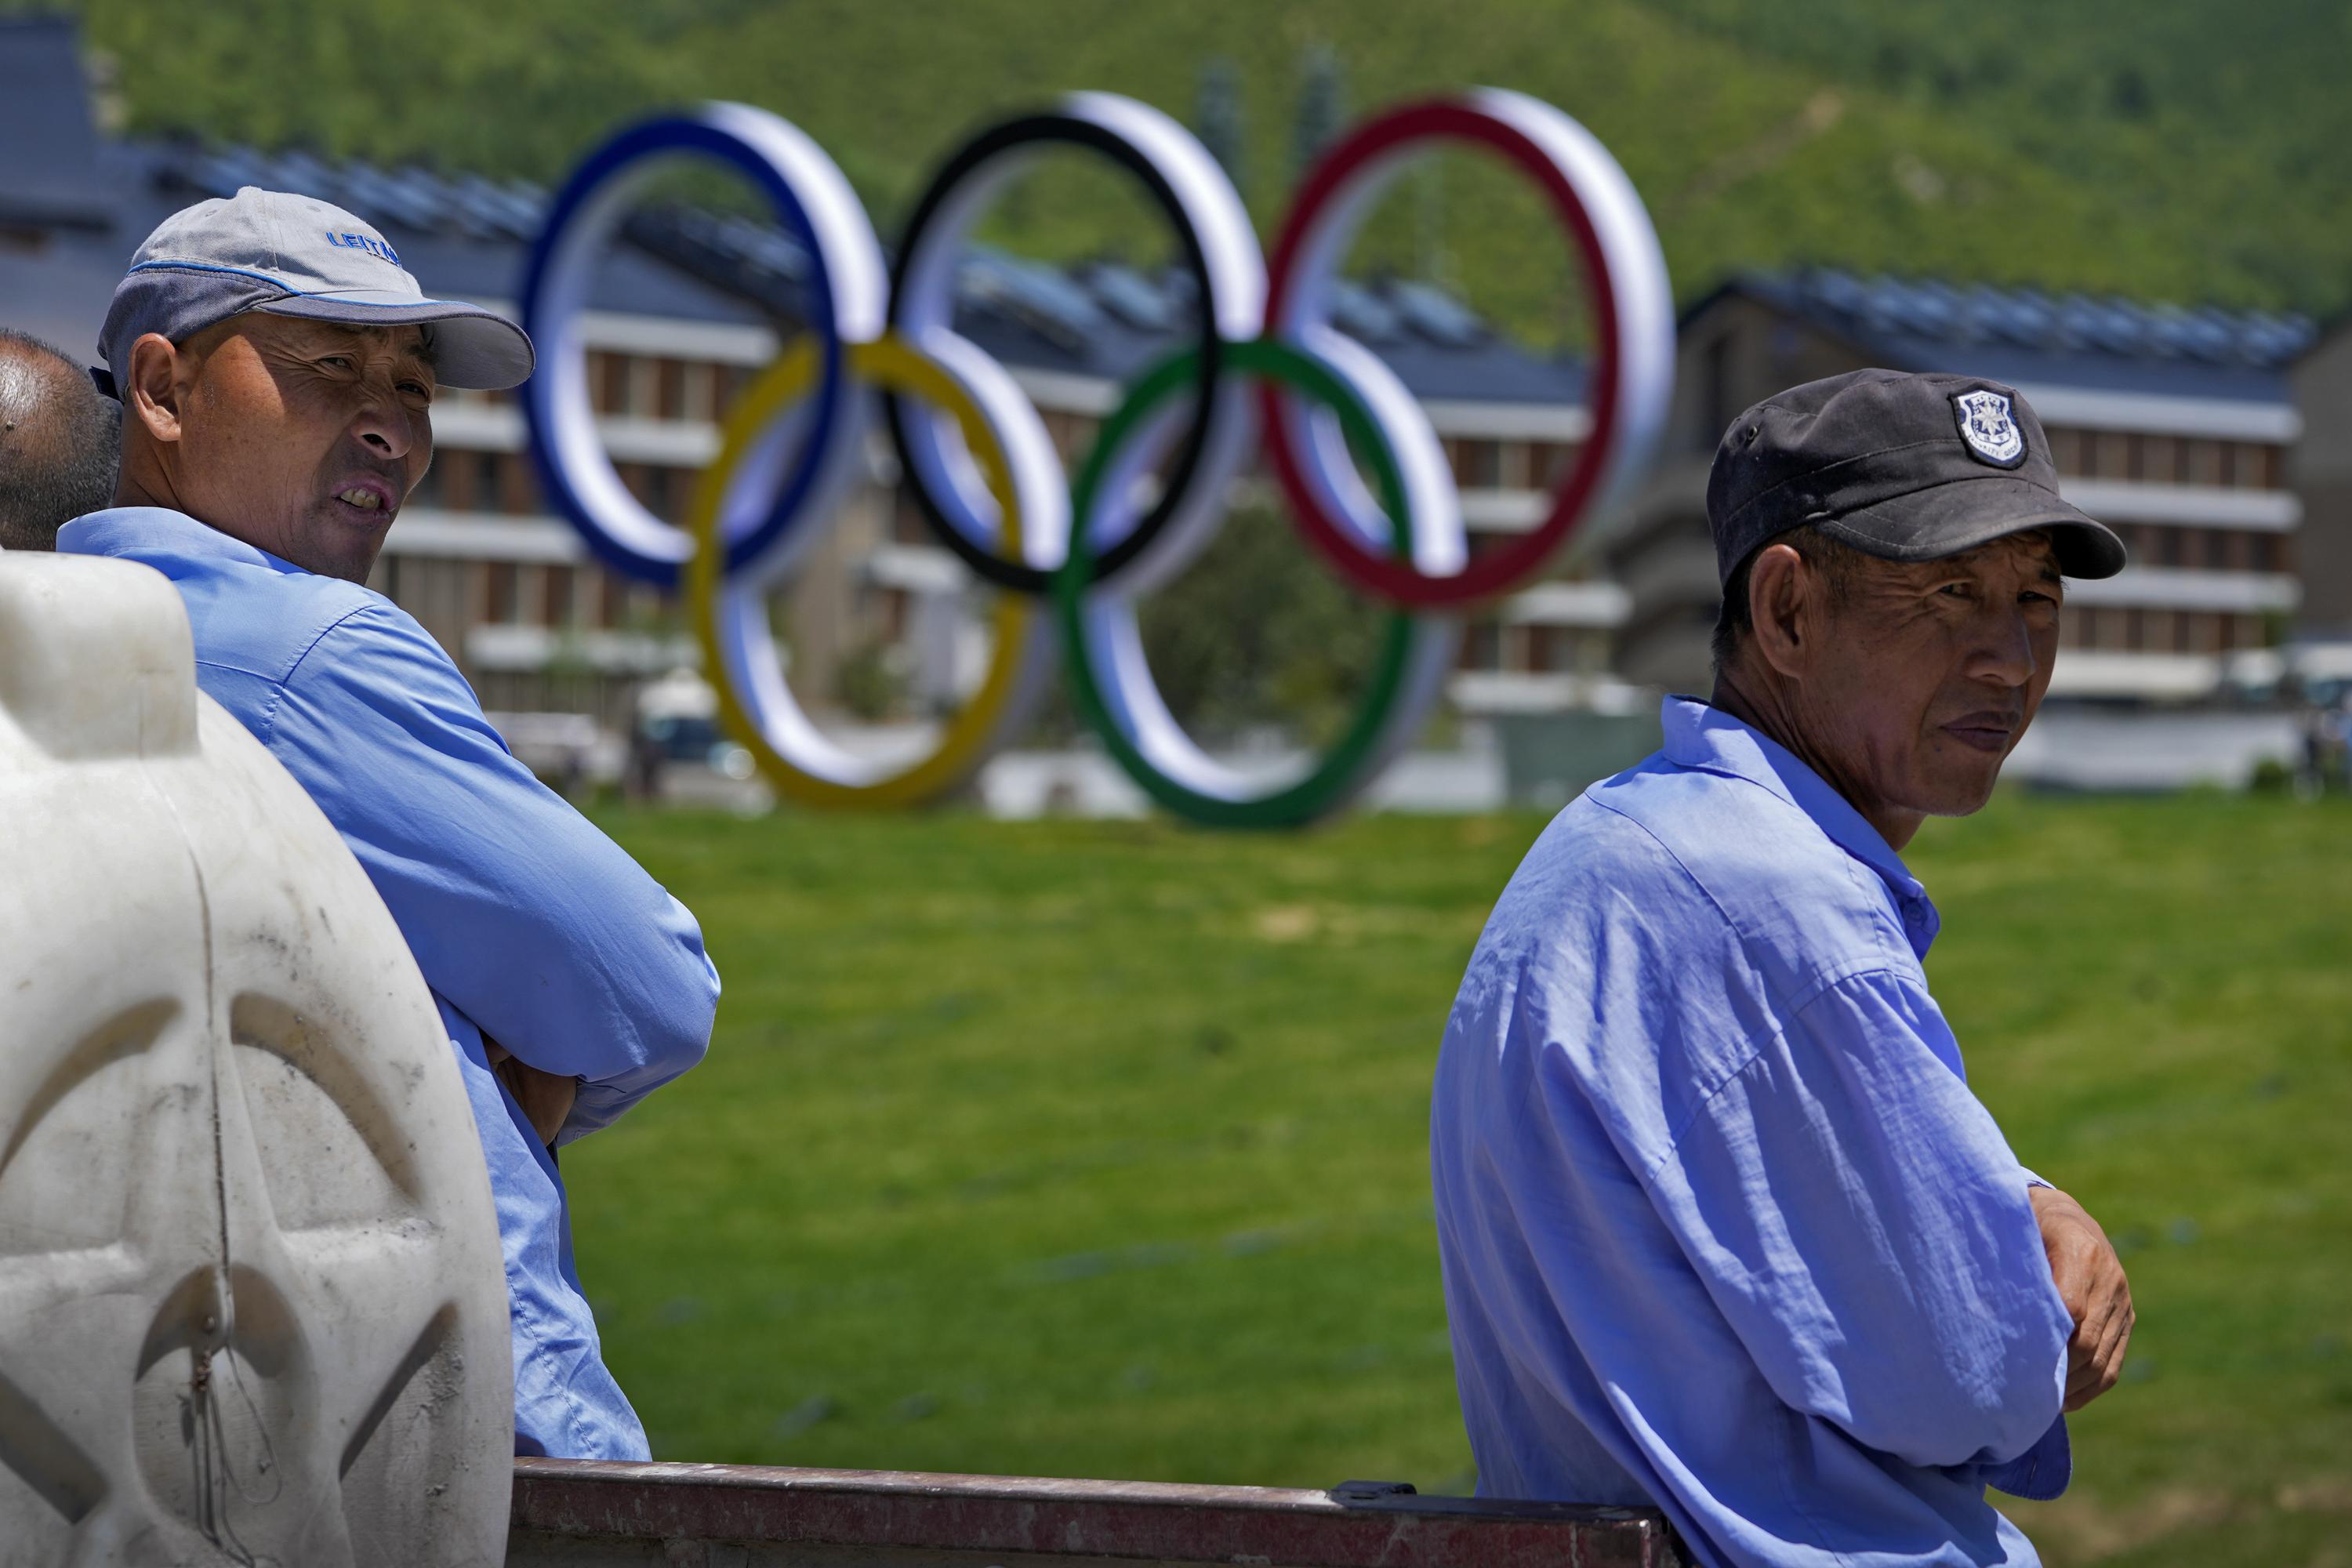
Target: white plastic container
{"points": [[251, 1303]]}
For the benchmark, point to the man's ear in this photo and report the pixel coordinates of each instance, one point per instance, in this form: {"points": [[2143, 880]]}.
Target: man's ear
{"points": [[151, 391], [1780, 587]]}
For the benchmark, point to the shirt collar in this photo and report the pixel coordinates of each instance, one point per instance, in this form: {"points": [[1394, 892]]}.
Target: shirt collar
{"points": [[129, 530], [1706, 738]]}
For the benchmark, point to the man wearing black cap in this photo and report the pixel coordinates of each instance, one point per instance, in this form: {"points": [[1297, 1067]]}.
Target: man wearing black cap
{"points": [[277, 366], [1722, 1227]]}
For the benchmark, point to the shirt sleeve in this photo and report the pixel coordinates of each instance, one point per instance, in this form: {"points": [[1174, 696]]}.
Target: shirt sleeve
{"points": [[1861, 1222], [532, 923]]}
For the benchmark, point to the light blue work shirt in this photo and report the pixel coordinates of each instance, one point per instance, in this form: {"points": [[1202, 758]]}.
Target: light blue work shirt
{"points": [[530, 925], [1722, 1227]]}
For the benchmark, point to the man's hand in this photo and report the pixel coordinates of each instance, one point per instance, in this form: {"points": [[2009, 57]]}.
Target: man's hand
{"points": [[545, 1096], [2090, 1278]]}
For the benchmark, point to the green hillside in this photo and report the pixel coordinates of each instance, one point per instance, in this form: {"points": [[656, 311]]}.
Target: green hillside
{"points": [[2162, 149]]}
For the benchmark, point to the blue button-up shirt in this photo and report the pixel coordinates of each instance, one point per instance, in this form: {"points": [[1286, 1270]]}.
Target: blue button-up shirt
{"points": [[1722, 1227], [529, 924]]}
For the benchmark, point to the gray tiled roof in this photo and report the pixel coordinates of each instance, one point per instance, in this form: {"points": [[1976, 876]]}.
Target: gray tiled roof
{"points": [[2022, 335]]}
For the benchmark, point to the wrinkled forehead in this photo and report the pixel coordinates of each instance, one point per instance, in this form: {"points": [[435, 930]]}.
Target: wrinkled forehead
{"points": [[412, 343]]}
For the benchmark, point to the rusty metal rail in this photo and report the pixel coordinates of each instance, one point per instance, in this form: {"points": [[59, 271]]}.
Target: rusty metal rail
{"points": [[585, 1514]]}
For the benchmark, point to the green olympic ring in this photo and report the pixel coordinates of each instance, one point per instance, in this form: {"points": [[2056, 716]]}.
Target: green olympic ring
{"points": [[1342, 766]]}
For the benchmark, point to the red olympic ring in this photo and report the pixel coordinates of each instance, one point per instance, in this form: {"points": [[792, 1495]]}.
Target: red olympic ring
{"points": [[1334, 178]]}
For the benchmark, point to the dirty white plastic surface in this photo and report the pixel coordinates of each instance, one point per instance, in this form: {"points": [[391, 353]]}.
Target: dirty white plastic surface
{"points": [[251, 1304]]}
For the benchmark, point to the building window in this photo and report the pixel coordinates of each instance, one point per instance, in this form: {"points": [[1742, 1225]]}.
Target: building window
{"points": [[501, 593], [604, 380], [2111, 455], [642, 391], [456, 479], [701, 397], [1512, 465], [562, 586], [669, 401], [1548, 463], [1552, 651], [2249, 465], [517, 486], [2204, 462], [678, 493], [1477, 464], [661, 490], [470, 480], [1482, 646], [2066, 451]]}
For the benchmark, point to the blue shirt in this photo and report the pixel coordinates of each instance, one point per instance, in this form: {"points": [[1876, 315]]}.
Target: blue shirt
{"points": [[1722, 1226], [529, 924]]}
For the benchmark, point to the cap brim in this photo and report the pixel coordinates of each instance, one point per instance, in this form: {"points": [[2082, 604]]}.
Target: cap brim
{"points": [[472, 347], [1945, 520]]}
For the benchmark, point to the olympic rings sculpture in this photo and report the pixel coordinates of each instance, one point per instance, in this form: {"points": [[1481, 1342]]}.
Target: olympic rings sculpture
{"points": [[1264, 366]]}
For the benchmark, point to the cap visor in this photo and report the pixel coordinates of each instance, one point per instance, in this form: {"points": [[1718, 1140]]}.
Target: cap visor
{"points": [[472, 347], [1945, 520]]}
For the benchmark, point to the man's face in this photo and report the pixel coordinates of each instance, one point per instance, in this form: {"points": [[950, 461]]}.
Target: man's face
{"points": [[1930, 672], [303, 437]]}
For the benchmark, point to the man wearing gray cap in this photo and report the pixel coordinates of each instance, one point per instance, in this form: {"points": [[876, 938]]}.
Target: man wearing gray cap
{"points": [[277, 366], [1722, 1228]]}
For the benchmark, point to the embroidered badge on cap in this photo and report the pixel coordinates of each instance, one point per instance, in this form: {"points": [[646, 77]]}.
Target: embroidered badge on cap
{"points": [[1987, 426]]}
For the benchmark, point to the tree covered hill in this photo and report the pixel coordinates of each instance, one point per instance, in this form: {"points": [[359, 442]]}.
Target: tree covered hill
{"points": [[2183, 149]]}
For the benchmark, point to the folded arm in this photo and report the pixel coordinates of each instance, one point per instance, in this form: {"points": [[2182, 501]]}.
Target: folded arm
{"points": [[1862, 1225], [530, 921]]}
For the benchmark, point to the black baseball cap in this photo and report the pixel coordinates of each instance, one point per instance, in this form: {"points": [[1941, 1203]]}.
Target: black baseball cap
{"points": [[1901, 465]]}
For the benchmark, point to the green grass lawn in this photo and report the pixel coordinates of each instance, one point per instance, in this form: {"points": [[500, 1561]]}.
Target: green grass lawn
{"points": [[1101, 1149]]}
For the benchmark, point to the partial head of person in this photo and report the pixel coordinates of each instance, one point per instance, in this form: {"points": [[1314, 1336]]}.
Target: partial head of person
{"points": [[58, 440], [1892, 550], [277, 366]]}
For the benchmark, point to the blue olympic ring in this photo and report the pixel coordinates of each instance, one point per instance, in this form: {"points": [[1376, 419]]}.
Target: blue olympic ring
{"points": [[564, 444]]}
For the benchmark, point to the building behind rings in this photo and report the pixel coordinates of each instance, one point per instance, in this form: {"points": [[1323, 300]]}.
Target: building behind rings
{"points": [[2180, 425]]}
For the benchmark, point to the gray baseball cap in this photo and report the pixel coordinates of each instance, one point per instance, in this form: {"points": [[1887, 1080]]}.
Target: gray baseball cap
{"points": [[1902, 466], [288, 255]]}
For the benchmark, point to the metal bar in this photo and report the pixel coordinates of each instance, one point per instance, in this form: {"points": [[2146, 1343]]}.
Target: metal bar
{"points": [[583, 1510]]}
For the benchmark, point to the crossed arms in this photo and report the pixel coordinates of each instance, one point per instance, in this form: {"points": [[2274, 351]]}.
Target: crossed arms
{"points": [[522, 916], [1861, 1224]]}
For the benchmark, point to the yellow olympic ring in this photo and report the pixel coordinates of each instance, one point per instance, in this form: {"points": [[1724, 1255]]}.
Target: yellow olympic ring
{"points": [[889, 363]]}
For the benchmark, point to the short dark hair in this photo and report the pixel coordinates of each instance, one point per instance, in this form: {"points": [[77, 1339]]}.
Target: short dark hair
{"points": [[60, 444], [1833, 558]]}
